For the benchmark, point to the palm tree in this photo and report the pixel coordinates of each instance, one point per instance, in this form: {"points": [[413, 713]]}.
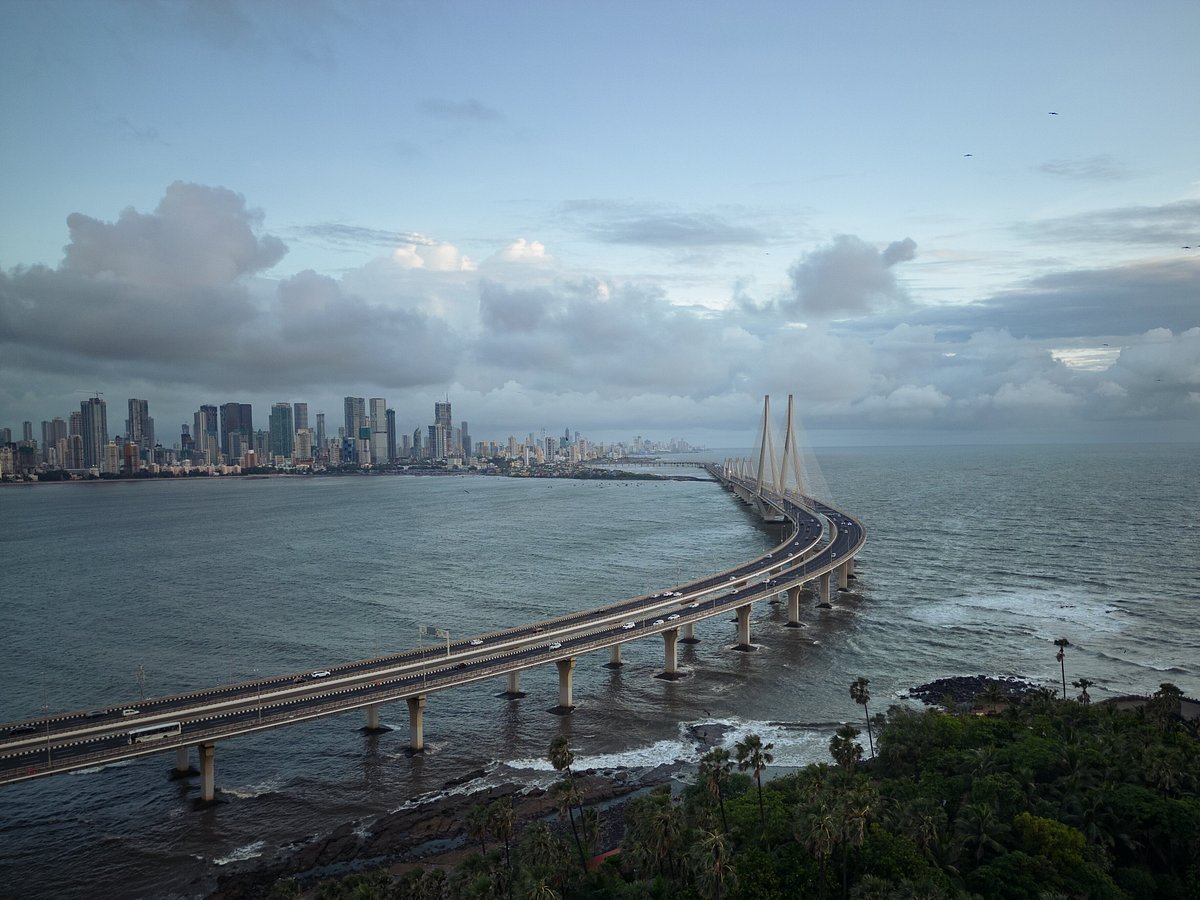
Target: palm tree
{"points": [[846, 752], [715, 767], [566, 797], [980, 828], [477, 825], [500, 823], [1062, 644], [560, 754], [543, 891], [754, 755], [991, 697], [817, 832], [1083, 684], [861, 696], [712, 861]]}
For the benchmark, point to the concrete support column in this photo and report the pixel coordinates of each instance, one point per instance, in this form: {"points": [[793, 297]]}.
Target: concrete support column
{"points": [[514, 683], [843, 572], [208, 785], [689, 633], [793, 595], [416, 723], [670, 657], [182, 766], [566, 673], [373, 717], [823, 590], [614, 658], [850, 567], [743, 625]]}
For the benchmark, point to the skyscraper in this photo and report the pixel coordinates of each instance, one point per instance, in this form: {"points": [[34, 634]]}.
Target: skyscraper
{"points": [[379, 451], [391, 436], [356, 416], [300, 416], [206, 434], [466, 441], [283, 433], [237, 429], [93, 419], [139, 427]]}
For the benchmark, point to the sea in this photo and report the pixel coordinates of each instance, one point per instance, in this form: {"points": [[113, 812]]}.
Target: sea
{"points": [[977, 559]]}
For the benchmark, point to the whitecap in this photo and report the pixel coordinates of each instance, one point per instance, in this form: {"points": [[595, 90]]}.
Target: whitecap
{"points": [[250, 851]]}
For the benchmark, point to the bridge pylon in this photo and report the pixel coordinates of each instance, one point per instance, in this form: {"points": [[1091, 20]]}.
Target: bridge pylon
{"points": [[791, 454], [766, 452]]}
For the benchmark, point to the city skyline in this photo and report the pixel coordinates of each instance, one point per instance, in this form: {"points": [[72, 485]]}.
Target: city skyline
{"points": [[964, 225]]}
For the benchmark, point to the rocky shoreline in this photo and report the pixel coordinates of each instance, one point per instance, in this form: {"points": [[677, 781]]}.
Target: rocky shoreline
{"points": [[434, 832], [967, 688]]}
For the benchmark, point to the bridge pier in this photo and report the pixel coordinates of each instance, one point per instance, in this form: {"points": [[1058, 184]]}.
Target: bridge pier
{"points": [[373, 725], [614, 658], [843, 572], [208, 786], [183, 768], [670, 656], [743, 626], [566, 675], [689, 634], [823, 590], [416, 723], [793, 597], [513, 690]]}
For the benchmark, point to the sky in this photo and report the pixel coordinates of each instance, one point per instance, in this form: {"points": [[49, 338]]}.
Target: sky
{"points": [[930, 222]]}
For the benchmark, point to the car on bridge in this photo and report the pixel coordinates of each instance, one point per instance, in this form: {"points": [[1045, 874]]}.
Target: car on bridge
{"points": [[629, 625], [555, 646]]}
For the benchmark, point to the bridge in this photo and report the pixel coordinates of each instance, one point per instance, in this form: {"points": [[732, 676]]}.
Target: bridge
{"points": [[820, 546]]}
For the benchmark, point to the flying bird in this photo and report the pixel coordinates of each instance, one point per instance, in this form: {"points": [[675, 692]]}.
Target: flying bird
{"points": [[968, 154], [1052, 114]]}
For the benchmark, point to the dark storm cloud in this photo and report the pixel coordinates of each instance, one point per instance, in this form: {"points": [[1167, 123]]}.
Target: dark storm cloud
{"points": [[464, 110], [1101, 167], [623, 223], [1171, 225], [358, 236], [846, 278], [1123, 300]]}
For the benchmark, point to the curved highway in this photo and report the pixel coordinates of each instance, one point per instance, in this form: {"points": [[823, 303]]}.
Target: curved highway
{"points": [[821, 539]]}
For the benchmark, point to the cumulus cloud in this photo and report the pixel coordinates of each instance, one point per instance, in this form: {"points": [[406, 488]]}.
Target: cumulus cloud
{"points": [[846, 278]]}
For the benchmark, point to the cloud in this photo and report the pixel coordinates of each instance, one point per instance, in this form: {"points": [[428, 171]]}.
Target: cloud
{"points": [[1100, 167], [1171, 225], [469, 110], [657, 226], [846, 278], [341, 234]]}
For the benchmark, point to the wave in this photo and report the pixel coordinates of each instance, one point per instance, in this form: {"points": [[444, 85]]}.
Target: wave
{"points": [[250, 851]]}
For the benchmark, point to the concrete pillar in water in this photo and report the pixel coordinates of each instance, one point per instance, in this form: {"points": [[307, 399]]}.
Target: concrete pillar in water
{"points": [[844, 576], [823, 590], [614, 658], [670, 658], [793, 595], [182, 766], [743, 625], [416, 723], [373, 717], [566, 671], [208, 787], [514, 684], [688, 635]]}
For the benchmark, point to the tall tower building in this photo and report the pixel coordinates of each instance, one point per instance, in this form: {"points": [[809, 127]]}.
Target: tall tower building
{"points": [[379, 451], [139, 427], [237, 429], [466, 441], [206, 434], [283, 432], [320, 448], [300, 416], [93, 424], [356, 415], [391, 436]]}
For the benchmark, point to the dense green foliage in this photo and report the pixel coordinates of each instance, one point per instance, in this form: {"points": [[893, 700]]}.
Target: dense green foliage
{"points": [[1048, 799]]}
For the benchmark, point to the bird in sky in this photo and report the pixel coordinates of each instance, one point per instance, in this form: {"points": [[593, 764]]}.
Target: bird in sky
{"points": [[1052, 114], [968, 154]]}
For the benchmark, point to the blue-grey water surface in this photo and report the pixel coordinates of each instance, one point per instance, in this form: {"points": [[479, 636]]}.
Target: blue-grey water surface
{"points": [[977, 559]]}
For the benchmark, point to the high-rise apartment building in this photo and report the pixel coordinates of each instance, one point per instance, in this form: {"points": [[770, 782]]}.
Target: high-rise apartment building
{"points": [[300, 416], [93, 423], [379, 452], [465, 439], [356, 416], [237, 430], [416, 444], [139, 427], [320, 433], [391, 436], [282, 431]]}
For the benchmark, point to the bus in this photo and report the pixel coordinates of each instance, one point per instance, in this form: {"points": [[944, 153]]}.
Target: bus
{"points": [[154, 732]]}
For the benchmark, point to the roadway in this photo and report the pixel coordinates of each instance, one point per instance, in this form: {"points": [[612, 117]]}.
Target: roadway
{"points": [[821, 539]]}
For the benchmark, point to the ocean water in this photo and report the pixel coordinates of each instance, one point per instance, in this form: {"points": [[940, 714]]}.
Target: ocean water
{"points": [[977, 559]]}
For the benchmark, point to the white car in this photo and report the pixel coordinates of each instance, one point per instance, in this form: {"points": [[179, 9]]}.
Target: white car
{"points": [[629, 625], [672, 617], [477, 643], [693, 605], [555, 646], [324, 673], [659, 622]]}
